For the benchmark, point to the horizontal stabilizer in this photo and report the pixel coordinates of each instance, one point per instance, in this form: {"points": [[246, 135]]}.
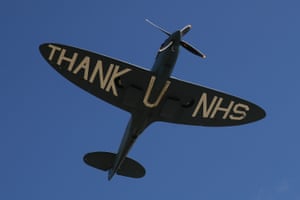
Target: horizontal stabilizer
{"points": [[131, 168], [100, 160], [105, 161]]}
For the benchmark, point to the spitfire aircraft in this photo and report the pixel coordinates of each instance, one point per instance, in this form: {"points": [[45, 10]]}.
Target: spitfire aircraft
{"points": [[149, 96]]}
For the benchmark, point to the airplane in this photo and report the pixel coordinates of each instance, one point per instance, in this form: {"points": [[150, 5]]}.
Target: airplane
{"points": [[149, 96]]}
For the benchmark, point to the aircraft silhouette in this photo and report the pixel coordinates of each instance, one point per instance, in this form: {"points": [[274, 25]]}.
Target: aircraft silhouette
{"points": [[148, 95]]}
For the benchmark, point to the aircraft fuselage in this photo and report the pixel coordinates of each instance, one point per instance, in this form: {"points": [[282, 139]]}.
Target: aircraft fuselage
{"points": [[162, 70]]}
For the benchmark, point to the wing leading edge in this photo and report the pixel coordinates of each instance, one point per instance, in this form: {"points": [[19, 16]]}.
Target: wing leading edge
{"points": [[191, 104]]}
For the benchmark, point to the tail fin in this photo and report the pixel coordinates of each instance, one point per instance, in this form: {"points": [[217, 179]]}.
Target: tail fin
{"points": [[105, 162]]}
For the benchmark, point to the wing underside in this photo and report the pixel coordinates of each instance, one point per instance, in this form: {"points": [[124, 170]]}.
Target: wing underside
{"points": [[116, 82], [187, 103], [126, 86]]}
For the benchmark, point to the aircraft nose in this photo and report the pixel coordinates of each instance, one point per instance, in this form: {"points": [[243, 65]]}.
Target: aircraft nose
{"points": [[177, 36]]}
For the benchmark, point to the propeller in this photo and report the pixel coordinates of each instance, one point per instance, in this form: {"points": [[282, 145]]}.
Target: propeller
{"points": [[184, 44], [185, 30], [158, 27], [192, 49]]}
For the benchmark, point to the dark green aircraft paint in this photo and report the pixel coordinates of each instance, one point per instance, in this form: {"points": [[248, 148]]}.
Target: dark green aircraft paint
{"points": [[148, 95]]}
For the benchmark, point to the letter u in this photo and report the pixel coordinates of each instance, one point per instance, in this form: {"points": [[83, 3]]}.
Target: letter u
{"points": [[149, 90]]}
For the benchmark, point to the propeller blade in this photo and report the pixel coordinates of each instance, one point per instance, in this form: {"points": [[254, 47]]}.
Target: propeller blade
{"points": [[158, 27], [192, 49], [185, 30]]}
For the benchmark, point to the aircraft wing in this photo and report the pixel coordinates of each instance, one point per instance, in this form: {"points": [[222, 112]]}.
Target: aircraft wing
{"points": [[125, 85], [116, 82], [187, 103]]}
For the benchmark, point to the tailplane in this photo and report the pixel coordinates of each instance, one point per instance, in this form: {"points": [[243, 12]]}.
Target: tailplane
{"points": [[105, 161]]}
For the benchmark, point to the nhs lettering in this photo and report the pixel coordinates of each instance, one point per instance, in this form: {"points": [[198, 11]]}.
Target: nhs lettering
{"points": [[232, 111]]}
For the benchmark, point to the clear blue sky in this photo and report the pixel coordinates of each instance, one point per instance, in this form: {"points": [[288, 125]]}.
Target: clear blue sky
{"points": [[47, 124]]}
